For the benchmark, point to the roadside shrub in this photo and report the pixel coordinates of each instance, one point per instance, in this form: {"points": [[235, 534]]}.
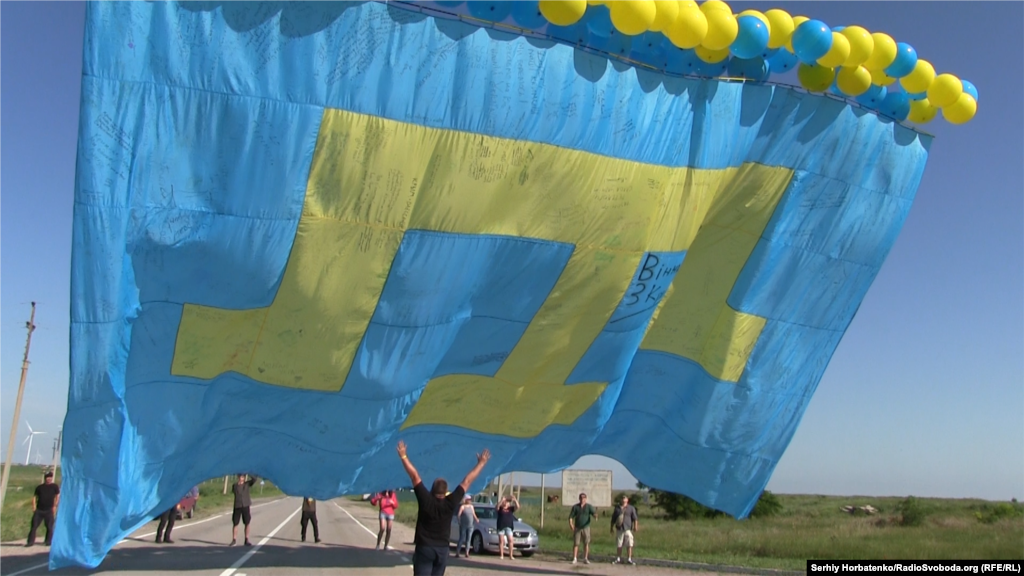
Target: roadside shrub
{"points": [[992, 514], [911, 512], [767, 505]]}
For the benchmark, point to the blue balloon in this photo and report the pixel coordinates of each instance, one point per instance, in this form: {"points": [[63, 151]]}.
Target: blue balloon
{"points": [[682, 61], [751, 68], [873, 97], [649, 48], [782, 61], [895, 105], [970, 89], [489, 10], [835, 88], [906, 59], [709, 70], [528, 15], [599, 20], [768, 53], [573, 34], [917, 96], [812, 40], [751, 39], [449, 4], [617, 44], [838, 28]]}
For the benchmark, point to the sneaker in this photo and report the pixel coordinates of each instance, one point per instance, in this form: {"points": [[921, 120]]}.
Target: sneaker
{"points": [[573, 560], [247, 543], [232, 542], [617, 561], [303, 538], [317, 540], [388, 547], [29, 545], [586, 560], [630, 561], [168, 541]]}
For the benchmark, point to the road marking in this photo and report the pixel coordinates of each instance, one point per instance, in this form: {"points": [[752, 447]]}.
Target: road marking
{"points": [[370, 532], [43, 565], [259, 544], [141, 536]]}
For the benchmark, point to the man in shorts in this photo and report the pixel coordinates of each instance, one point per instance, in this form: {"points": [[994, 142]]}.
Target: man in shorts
{"points": [[241, 509], [434, 519], [579, 521], [624, 523]]}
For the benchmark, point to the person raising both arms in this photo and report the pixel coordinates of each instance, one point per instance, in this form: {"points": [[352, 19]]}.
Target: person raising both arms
{"points": [[388, 502], [434, 519]]}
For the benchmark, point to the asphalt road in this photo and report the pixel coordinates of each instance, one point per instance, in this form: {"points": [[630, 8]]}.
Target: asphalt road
{"points": [[348, 531]]}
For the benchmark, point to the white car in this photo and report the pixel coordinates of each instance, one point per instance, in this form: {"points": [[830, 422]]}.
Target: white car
{"points": [[485, 532]]}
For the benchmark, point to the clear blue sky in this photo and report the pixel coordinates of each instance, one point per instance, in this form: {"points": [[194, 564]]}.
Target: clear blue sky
{"points": [[925, 394]]}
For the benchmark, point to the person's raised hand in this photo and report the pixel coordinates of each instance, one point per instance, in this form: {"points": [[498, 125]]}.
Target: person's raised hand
{"points": [[401, 448], [483, 457]]}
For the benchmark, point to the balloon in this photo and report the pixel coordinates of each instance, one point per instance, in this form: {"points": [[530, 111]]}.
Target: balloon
{"points": [[491, 11], [450, 4], [861, 45], [970, 89], [753, 68], [759, 16], [917, 96], [782, 61], [853, 81], [689, 29], [883, 53], [906, 59], [649, 48], [528, 15], [797, 21], [633, 17], [879, 77], [922, 111], [709, 69], [873, 96], [563, 12], [920, 79], [711, 56], [838, 53], [715, 6], [599, 21], [595, 2], [961, 111], [666, 13], [895, 105], [811, 40], [751, 37], [815, 78], [617, 43], [945, 90], [780, 27], [722, 29]]}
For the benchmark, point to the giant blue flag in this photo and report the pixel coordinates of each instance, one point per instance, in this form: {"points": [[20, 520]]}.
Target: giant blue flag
{"points": [[304, 231]]}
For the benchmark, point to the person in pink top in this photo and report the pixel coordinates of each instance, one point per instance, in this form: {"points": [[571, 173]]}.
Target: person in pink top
{"points": [[388, 502]]}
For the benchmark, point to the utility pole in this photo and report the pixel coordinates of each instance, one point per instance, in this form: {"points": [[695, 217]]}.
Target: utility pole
{"points": [[542, 500], [17, 406], [56, 450]]}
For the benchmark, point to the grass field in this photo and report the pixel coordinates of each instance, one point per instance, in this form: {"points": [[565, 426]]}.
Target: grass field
{"points": [[807, 527], [17, 511]]}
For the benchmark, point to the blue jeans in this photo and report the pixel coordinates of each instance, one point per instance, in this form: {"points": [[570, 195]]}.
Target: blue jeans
{"points": [[465, 533]]}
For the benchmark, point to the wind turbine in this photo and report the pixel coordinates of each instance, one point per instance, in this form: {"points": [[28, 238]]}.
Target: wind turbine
{"points": [[31, 434]]}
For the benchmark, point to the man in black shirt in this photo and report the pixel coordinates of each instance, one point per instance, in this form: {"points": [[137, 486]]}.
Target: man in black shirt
{"points": [[241, 510], [434, 519], [309, 515], [44, 507]]}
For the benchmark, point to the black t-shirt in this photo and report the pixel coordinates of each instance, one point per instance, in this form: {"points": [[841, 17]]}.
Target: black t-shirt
{"points": [[506, 518], [434, 519], [46, 495], [241, 492]]}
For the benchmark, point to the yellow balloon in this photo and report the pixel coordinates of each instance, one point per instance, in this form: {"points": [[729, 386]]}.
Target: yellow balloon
{"points": [[667, 12], [861, 45], [960, 111], [797, 21], [920, 78], [853, 81], [759, 16], [722, 29], [883, 53], [689, 29], [687, 4], [715, 5], [595, 2], [780, 27], [922, 111], [815, 78], [632, 17], [563, 12], [838, 53], [945, 90], [878, 77], [711, 56]]}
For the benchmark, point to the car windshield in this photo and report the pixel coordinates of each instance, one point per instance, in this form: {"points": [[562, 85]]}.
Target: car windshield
{"points": [[486, 513]]}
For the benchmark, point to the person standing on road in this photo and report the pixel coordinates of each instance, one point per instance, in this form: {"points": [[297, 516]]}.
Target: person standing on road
{"points": [[624, 523], [44, 508], [388, 503], [167, 520], [506, 523], [434, 519], [579, 521], [309, 515], [467, 520], [241, 509]]}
